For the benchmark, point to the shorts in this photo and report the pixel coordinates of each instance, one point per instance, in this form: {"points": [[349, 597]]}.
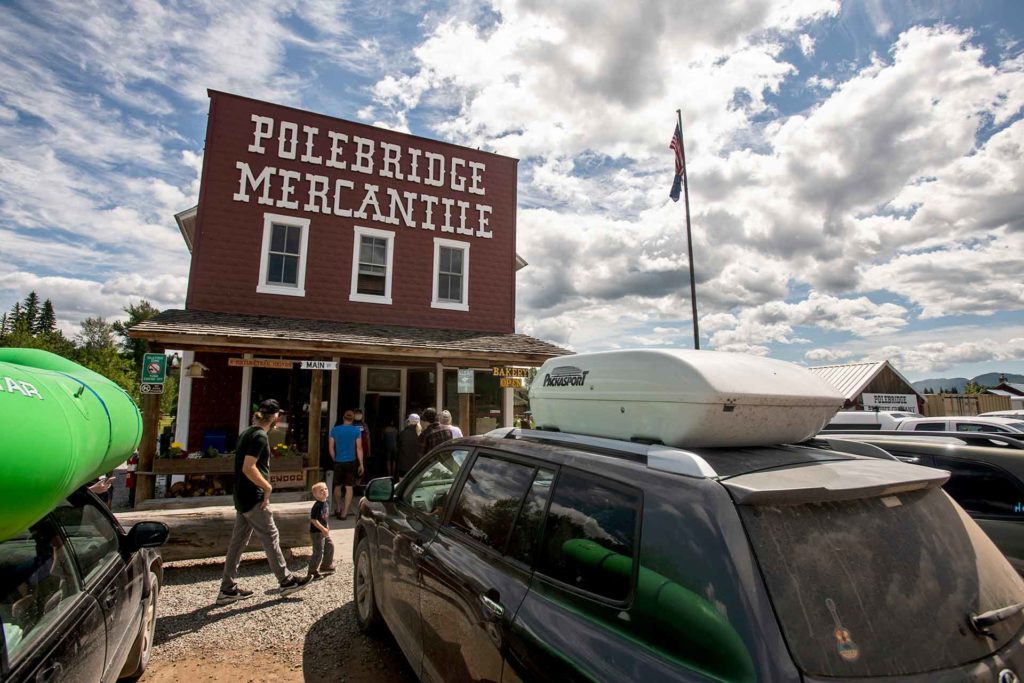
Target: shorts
{"points": [[345, 473]]}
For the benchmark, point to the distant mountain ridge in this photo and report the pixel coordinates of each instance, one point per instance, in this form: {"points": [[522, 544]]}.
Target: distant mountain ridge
{"points": [[957, 384]]}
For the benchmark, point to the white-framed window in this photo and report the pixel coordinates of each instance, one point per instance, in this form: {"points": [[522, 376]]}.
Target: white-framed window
{"points": [[372, 254], [283, 256], [451, 275]]}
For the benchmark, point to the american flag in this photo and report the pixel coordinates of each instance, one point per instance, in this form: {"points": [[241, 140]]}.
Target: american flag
{"points": [[677, 146]]}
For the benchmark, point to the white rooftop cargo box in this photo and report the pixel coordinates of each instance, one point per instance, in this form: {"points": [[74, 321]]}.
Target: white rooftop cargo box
{"points": [[682, 398]]}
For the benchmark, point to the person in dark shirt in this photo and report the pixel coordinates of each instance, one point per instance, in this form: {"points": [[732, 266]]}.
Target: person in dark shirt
{"points": [[409, 444], [321, 562], [252, 509], [434, 434]]}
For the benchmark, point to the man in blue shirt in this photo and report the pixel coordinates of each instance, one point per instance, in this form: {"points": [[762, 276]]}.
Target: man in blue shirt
{"points": [[347, 451]]}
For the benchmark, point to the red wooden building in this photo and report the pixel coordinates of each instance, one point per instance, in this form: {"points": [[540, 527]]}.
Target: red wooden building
{"points": [[385, 258]]}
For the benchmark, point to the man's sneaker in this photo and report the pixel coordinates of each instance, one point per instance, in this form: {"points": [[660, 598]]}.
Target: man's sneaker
{"points": [[327, 570], [295, 583], [228, 597]]}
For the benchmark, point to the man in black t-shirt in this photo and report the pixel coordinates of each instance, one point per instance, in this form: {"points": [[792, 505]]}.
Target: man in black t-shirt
{"points": [[252, 509]]}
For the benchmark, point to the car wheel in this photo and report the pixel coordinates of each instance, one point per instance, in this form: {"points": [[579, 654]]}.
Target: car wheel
{"points": [[367, 615], [142, 649]]}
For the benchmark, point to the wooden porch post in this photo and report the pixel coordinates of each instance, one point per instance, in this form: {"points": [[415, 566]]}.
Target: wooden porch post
{"points": [[147, 449], [316, 397], [465, 419]]}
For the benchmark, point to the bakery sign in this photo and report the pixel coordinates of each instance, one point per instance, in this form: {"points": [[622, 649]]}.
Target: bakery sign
{"points": [[352, 176]]}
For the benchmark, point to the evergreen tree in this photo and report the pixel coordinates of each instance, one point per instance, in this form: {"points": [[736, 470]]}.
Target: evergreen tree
{"points": [[31, 310], [47, 321], [3, 325]]}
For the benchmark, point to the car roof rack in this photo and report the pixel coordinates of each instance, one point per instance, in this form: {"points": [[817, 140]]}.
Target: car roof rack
{"points": [[655, 456], [990, 439]]}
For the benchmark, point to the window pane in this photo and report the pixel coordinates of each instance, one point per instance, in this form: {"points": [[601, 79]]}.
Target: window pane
{"points": [[277, 237], [290, 275], [589, 541], [455, 288], [443, 287], [380, 253], [294, 232], [275, 269], [429, 490], [531, 518], [445, 261], [37, 583], [490, 499], [930, 427], [366, 250], [92, 536], [456, 261]]}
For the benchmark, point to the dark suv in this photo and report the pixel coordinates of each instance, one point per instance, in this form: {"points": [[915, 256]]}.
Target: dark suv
{"points": [[78, 595], [532, 555]]}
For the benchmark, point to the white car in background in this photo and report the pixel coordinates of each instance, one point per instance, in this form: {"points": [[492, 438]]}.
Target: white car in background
{"points": [[867, 419], [952, 423], [1003, 413]]}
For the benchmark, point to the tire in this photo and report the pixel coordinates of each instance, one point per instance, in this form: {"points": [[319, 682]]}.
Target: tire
{"points": [[142, 649], [367, 615]]}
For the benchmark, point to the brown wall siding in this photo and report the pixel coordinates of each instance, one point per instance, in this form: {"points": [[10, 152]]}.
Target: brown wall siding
{"points": [[215, 399], [226, 258]]}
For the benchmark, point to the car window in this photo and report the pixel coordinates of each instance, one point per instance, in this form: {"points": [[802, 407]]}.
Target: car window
{"points": [[975, 427], [37, 584], [930, 427], [982, 489], [92, 536], [531, 517], [590, 536], [490, 499], [429, 490]]}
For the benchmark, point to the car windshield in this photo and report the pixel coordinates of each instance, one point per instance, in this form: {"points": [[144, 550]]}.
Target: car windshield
{"points": [[882, 586]]}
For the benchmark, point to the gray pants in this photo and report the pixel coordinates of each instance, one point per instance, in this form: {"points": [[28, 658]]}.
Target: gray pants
{"points": [[323, 551], [261, 522]]}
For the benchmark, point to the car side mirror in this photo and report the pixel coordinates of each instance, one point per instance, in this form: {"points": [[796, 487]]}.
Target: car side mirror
{"points": [[146, 535], [380, 490]]}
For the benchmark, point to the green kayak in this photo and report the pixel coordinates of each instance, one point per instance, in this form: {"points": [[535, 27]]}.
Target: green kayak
{"points": [[61, 425]]}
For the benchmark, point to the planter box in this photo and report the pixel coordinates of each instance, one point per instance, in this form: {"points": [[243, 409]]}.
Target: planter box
{"points": [[217, 465], [201, 466]]}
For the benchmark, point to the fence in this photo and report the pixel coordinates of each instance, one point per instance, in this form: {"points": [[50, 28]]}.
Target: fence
{"points": [[937, 405]]}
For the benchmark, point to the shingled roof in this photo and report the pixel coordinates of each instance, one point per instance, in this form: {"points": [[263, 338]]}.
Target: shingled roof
{"points": [[204, 328]]}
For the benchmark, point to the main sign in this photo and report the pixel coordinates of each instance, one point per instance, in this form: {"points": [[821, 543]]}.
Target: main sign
{"points": [[319, 365], [154, 368]]}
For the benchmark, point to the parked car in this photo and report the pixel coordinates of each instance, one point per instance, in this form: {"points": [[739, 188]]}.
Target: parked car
{"points": [[1003, 413], [995, 425], [986, 479], [867, 419], [535, 555], [78, 595]]}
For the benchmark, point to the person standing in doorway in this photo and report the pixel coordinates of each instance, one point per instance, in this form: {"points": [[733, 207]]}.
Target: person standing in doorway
{"points": [[409, 444], [369, 463], [252, 509], [446, 421], [346, 446], [434, 433], [391, 447]]}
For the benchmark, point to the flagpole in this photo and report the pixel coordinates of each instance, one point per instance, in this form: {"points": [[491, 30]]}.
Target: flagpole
{"points": [[689, 237]]}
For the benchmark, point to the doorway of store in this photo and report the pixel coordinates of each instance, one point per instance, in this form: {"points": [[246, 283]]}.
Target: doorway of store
{"points": [[381, 411]]}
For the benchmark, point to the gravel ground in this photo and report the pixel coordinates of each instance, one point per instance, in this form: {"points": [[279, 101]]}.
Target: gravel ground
{"points": [[310, 635]]}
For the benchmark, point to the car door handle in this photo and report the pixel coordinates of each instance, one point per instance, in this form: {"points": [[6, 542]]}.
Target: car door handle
{"points": [[491, 606], [910, 459], [50, 673]]}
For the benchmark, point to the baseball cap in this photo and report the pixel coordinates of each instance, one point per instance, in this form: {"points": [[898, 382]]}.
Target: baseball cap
{"points": [[270, 406]]}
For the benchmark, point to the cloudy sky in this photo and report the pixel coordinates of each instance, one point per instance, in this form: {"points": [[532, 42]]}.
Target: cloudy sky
{"points": [[855, 168]]}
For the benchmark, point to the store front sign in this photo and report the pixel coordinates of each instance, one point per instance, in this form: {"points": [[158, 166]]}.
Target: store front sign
{"points": [[319, 365], [466, 382], [907, 402], [512, 382], [275, 363], [289, 479]]}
